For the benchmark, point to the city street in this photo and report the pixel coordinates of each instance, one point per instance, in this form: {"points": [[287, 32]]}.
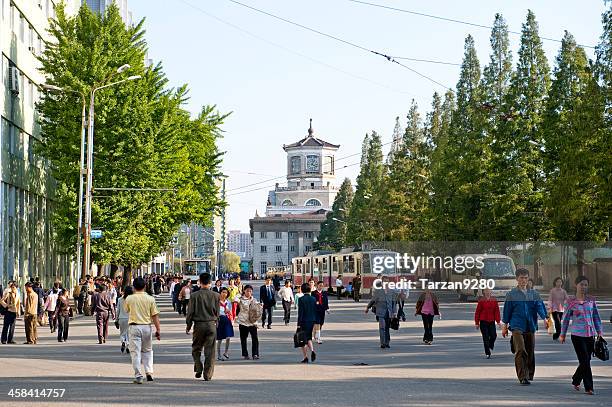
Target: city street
{"points": [[351, 369]]}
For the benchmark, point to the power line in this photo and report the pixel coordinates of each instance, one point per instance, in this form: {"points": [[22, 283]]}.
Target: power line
{"points": [[291, 51], [449, 20], [272, 186], [333, 37]]}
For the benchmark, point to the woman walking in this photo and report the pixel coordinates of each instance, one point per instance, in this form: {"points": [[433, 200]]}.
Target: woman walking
{"points": [[556, 303], [50, 304], [585, 324], [233, 295], [487, 314], [427, 307], [122, 319], [12, 303], [184, 297], [307, 315], [62, 314], [225, 331], [248, 316]]}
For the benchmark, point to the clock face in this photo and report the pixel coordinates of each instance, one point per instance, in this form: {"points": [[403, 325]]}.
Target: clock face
{"points": [[312, 163]]}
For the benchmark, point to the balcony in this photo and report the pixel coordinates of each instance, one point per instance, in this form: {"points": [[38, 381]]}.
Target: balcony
{"points": [[307, 187]]}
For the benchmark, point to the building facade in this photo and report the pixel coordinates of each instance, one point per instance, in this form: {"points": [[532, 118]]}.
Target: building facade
{"points": [[240, 243], [27, 246], [294, 213], [279, 238], [100, 6]]}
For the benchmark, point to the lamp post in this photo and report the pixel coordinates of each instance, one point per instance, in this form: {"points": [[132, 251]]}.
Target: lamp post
{"points": [[89, 168]]}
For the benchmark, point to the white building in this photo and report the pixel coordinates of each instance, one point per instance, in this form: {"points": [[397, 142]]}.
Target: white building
{"points": [[310, 177], [294, 213], [240, 243], [27, 247]]}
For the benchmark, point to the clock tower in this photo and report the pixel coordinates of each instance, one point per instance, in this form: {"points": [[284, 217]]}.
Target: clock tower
{"points": [[310, 177]]}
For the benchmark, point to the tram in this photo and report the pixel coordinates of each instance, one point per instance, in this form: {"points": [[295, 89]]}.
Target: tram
{"points": [[326, 266]]}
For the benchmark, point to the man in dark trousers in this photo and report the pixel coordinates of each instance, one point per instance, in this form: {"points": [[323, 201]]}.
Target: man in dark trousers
{"points": [[202, 314], [102, 307], [356, 288], [267, 296], [521, 310]]}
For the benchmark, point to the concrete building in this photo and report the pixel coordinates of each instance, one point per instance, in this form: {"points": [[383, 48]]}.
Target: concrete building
{"points": [[310, 178], [100, 6], [240, 243], [27, 247], [294, 213], [279, 238]]}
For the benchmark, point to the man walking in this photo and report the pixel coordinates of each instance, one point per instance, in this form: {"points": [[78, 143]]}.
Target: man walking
{"points": [[102, 307], [203, 314], [30, 314], [521, 309], [267, 298], [384, 302], [142, 312], [286, 294], [356, 288]]}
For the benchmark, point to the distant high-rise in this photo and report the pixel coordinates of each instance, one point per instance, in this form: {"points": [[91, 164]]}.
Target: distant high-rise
{"points": [[99, 6]]}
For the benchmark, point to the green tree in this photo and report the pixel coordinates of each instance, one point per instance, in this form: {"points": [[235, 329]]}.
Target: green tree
{"points": [[572, 129], [517, 208], [466, 154], [334, 228], [404, 196], [364, 223], [143, 139], [230, 262]]}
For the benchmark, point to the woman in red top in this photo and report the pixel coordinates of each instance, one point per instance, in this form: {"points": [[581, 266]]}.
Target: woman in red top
{"points": [[487, 314]]}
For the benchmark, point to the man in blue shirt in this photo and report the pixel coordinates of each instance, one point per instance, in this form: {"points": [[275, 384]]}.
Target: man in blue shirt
{"points": [[521, 309]]}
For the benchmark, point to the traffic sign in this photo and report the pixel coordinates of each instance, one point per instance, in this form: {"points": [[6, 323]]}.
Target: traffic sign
{"points": [[96, 233]]}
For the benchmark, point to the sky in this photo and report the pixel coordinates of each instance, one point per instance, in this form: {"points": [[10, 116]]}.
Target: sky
{"points": [[273, 76]]}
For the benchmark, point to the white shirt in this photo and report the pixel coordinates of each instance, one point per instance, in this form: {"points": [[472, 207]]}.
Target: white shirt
{"points": [[286, 294], [172, 288], [51, 301], [338, 282], [187, 294]]}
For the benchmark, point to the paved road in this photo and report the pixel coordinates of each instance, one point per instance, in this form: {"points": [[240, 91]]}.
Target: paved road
{"points": [[451, 372]]}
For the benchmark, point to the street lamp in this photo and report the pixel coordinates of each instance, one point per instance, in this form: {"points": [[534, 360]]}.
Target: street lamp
{"points": [[89, 169]]}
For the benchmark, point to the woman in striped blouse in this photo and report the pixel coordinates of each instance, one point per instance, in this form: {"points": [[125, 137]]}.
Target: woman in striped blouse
{"points": [[585, 325]]}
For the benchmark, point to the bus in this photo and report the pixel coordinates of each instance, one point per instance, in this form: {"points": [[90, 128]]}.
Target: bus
{"points": [[192, 268], [498, 269]]}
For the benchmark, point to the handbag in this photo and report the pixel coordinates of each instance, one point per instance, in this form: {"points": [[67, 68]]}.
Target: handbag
{"points": [[511, 345], [299, 339], [394, 324], [600, 349], [551, 325]]}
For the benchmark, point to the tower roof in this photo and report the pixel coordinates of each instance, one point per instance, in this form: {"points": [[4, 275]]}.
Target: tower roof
{"points": [[310, 141]]}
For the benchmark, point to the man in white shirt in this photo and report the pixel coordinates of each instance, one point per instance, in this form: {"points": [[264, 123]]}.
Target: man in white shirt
{"points": [[339, 286], [286, 294], [172, 294]]}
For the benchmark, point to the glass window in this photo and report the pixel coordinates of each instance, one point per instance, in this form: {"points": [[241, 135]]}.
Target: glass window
{"points": [[296, 164], [279, 235], [292, 235], [308, 235], [292, 248], [21, 28], [279, 249], [262, 235], [313, 202], [306, 248], [263, 267], [279, 263], [13, 17], [263, 249], [287, 202], [328, 164]]}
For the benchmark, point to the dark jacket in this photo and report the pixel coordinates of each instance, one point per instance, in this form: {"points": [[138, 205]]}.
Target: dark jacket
{"points": [[101, 302], [421, 301], [384, 303], [322, 302], [306, 310], [264, 298], [62, 307], [203, 307]]}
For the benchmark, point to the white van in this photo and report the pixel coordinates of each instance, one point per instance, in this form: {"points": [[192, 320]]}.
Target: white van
{"points": [[499, 269]]}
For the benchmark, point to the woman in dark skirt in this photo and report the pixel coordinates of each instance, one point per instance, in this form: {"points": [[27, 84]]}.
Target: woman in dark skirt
{"points": [[225, 330], [307, 315]]}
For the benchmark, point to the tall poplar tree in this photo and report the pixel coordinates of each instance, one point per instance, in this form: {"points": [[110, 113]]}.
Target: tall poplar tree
{"points": [[334, 228]]}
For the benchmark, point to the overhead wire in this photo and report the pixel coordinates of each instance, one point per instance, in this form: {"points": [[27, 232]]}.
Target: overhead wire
{"points": [[449, 20], [341, 40]]}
